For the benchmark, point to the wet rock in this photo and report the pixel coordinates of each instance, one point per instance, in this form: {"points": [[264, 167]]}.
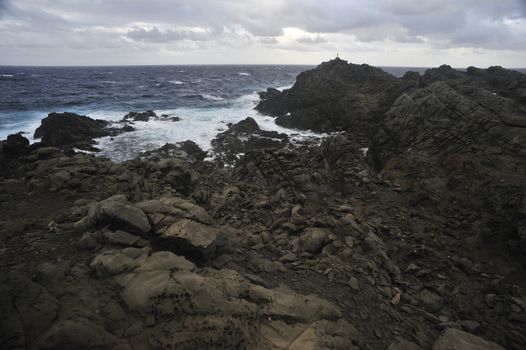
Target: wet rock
{"points": [[71, 130], [243, 137], [454, 339], [139, 116]]}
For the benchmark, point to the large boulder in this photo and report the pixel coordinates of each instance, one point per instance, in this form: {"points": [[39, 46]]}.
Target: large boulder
{"points": [[116, 213], [192, 236], [185, 225]]}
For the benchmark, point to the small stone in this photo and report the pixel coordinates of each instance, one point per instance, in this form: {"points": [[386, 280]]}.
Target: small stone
{"points": [[443, 319], [289, 257], [429, 300], [491, 300], [470, 326], [396, 299], [354, 283]]}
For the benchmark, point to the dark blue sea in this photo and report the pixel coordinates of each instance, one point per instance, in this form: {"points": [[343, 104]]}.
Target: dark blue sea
{"points": [[206, 98]]}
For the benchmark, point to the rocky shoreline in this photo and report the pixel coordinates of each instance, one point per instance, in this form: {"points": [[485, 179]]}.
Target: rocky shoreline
{"points": [[405, 229]]}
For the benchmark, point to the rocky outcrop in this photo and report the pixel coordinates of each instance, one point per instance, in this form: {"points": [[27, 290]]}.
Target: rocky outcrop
{"points": [[243, 137], [70, 130], [306, 246], [335, 96]]}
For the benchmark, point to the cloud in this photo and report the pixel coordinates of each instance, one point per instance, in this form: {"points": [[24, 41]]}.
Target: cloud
{"points": [[316, 39], [157, 36], [262, 27]]}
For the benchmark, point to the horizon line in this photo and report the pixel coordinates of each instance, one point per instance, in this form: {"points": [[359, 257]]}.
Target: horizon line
{"points": [[223, 64]]}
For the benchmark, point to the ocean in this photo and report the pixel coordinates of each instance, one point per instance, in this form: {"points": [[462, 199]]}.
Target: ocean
{"points": [[206, 98]]}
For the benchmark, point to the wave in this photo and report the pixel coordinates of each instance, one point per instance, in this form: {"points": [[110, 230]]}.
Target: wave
{"points": [[244, 74], [212, 97], [176, 82], [6, 75]]}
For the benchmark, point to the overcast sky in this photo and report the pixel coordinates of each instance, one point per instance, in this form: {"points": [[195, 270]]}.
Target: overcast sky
{"points": [[383, 32]]}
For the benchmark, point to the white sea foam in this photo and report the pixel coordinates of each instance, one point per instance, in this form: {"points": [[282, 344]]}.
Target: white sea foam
{"points": [[6, 75], [177, 82], [212, 97], [200, 125], [244, 74]]}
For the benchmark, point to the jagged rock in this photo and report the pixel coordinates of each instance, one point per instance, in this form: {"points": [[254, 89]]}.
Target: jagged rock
{"points": [[333, 97], [187, 150], [15, 146], [454, 339], [246, 136], [165, 211], [117, 213], [139, 116], [70, 129]]}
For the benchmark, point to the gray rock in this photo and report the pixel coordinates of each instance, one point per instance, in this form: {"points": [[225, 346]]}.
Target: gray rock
{"points": [[111, 263], [77, 334], [166, 261], [429, 300], [402, 344], [116, 213], [312, 241], [454, 339], [121, 237], [192, 236]]}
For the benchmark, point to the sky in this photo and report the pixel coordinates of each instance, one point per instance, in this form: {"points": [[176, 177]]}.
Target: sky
{"points": [[412, 33]]}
